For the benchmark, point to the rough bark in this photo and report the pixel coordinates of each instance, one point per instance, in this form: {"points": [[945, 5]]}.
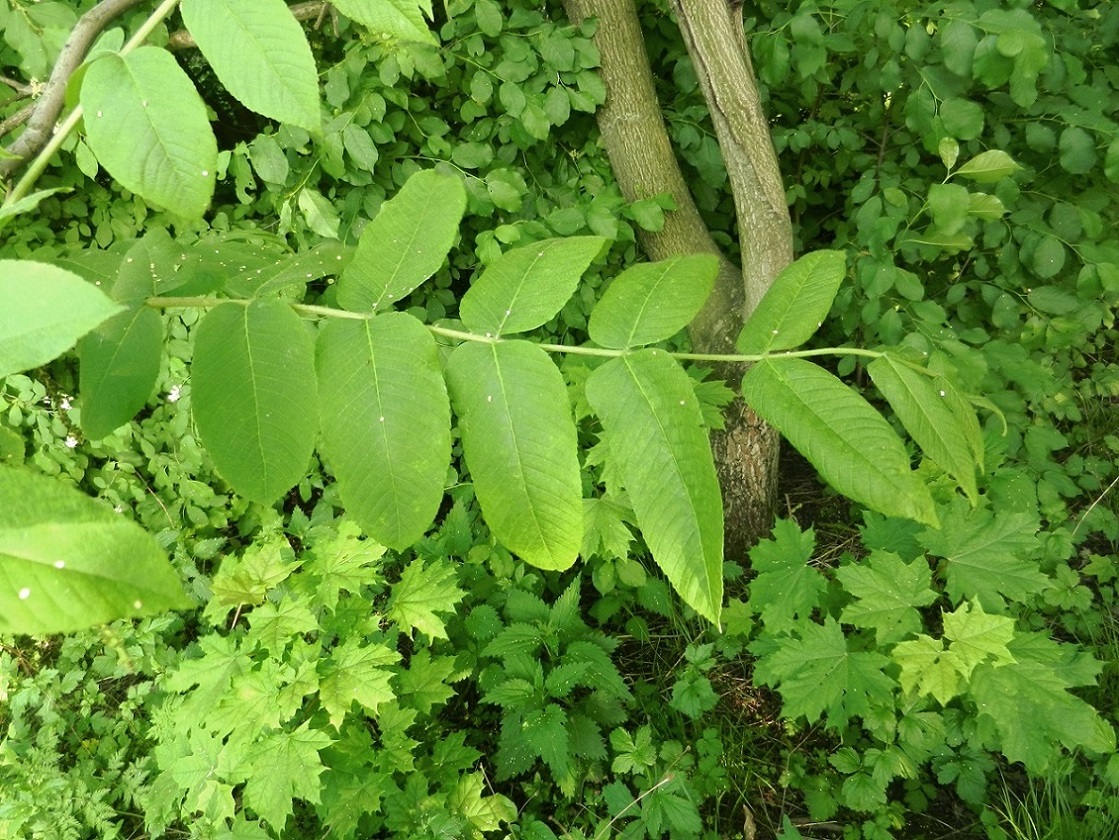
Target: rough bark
{"points": [[641, 155]]}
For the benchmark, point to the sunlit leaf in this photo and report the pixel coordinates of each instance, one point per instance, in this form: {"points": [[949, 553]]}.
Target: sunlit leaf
{"points": [[796, 304]]}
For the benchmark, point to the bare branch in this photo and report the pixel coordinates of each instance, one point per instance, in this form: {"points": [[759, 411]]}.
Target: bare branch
{"points": [[49, 104], [18, 86]]}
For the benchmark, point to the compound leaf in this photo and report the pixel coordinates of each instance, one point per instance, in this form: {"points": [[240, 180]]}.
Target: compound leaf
{"points": [[405, 244], [148, 127], [259, 52], [526, 287], [650, 302], [850, 443], [518, 437], [654, 429], [254, 396], [796, 304], [386, 423], [68, 562]]}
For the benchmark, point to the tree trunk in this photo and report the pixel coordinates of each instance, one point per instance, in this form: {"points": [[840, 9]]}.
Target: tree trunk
{"points": [[636, 140]]}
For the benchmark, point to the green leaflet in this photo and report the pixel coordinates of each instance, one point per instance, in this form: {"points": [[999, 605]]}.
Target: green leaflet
{"points": [[526, 287], [650, 302], [259, 52], [254, 396], [405, 244], [68, 562], [119, 366], [519, 440], [46, 310], [148, 127], [941, 421], [654, 429], [324, 260], [796, 304], [402, 19], [988, 167], [849, 442], [385, 422], [150, 267]]}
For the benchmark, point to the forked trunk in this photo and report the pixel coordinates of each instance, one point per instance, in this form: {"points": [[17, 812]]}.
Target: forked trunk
{"points": [[641, 155]]}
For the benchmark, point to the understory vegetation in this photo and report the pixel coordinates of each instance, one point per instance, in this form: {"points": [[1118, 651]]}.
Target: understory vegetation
{"points": [[336, 610]]}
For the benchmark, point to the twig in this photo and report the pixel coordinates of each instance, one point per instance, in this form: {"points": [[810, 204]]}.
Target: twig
{"points": [[17, 119], [50, 103], [18, 86]]}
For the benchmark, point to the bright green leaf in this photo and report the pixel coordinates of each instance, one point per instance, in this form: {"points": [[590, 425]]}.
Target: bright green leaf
{"points": [[401, 19], [259, 53], [887, 593], [990, 555], [816, 673], [119, 364], [650, 302], [941, 421], [254, 396], [1048, 257], [949, 205], [386, 423], [988, 167], [1078, 150], [851, 444], [45, 311], [526, 287], [356, 672], [962, 118], [519, 440], [68, 562], [654, 429], [282, 766], [148, 127], [423, 592], [405, 244], [796, 304], [787, 589]]}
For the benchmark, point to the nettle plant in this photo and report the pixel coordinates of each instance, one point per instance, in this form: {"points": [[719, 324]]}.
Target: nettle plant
{"points": [[372, 388]]}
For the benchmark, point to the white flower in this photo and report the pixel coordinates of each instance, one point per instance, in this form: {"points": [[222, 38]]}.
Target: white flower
{"points": [[174, 394], [71, 441]]}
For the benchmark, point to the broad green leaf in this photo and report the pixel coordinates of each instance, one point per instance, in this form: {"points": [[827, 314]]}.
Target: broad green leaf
{"points": [[526, 287], [654, 429], [68, 562], [327, 259], [357, 672], [401, 19], [962, 118], [1111, 161], [386, 423], [851, 444], [988, 167], [990, 555], [12, 448], [928, 669], [1048, 257], [283, 765], [941, 421], [796, 304], [148, 127], [887, 593], [423, 592], [1078, 150], [45, 311], [119, 366], [518, 437], [977, 637], [254, 396], [787, 589], [816, 673], [150, 267], [405, 244], [653, 301], [259, 52], [1030, 707], [949, 205]]}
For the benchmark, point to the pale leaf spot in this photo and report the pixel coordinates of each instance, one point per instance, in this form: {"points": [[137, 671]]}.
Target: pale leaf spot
{"points": [[24, 594], [137, 604], [60, 564]]}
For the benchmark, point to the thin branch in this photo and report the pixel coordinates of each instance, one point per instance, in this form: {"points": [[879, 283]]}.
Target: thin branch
{"points": [[17, 119], [50, 103], [18, 86]]}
